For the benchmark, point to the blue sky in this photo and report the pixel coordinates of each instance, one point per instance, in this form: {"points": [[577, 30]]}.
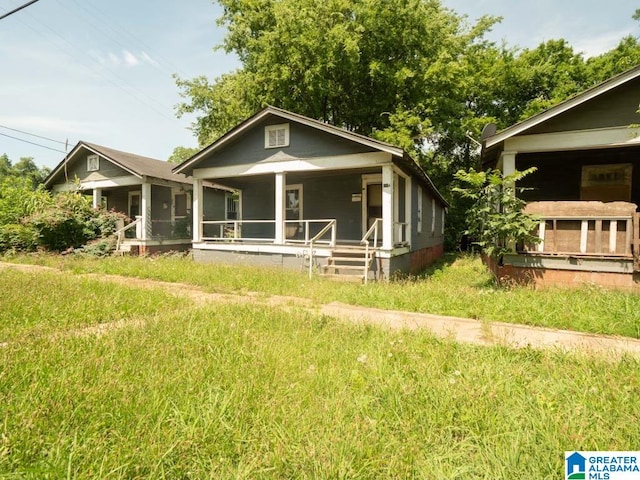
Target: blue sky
{"points": [[100, 71]]}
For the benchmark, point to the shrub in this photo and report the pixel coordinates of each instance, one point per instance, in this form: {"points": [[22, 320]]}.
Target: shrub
{"points": [[18, 237]]}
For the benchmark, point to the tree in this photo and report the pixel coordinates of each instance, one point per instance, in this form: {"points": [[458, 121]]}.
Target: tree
{"points": [[180, 154], [24, 168], [392, 69]]}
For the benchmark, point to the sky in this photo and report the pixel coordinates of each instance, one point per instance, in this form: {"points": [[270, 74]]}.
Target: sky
{"points": [[102, 70]]}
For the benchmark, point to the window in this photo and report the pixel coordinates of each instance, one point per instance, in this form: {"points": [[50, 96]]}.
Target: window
{"points": [[433, 216], [606, 183], [293, 202], [93, 163], [276, 136], [419, 224], [232, 201], [180, 205]]}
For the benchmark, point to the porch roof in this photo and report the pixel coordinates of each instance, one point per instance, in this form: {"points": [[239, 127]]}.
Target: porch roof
{"points": [[136, 165], [496, 139]]}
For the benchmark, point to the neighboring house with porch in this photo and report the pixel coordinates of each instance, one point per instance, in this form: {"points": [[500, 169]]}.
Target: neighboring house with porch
{"points": [[157, 201], [586, 188], [310, 195]]}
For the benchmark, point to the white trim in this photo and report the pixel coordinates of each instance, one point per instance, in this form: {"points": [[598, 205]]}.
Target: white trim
{"points": [[508, 161], [93, 163], [281, 185], [407, 208], [339, 162], [433, 216], [198, 204], [318, 250], [563, 107], [367, 179], [145, 207], [106, 183], [387, 207], [274, 128], [175, 192], [299, 187], [131, 194], [573, 140]]}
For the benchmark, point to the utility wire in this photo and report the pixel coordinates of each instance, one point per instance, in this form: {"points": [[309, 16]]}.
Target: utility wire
{"points": [[18, 9], [32, 143], [33, 135]]}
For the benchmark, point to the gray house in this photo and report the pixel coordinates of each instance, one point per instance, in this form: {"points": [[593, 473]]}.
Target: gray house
{"points": [[586, 188], [157, 201], [310, 195]]}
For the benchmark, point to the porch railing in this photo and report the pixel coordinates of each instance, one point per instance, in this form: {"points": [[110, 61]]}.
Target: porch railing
{"points": [[597, 235], [121, 232], [331, 226], [366, 239], [302, 232]]}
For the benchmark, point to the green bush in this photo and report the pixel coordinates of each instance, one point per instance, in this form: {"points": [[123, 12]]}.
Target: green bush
{"points": [[18, 237]]}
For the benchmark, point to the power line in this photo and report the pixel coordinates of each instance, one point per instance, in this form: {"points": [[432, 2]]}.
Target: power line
{"points": [[32, 143], [33, 135], [18, 9]]}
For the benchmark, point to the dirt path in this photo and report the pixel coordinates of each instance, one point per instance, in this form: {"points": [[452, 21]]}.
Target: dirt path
{"points": [[458, 329]]}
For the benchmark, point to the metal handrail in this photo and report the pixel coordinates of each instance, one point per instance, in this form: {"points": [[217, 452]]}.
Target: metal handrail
{"points": [[373, 230], [120, 232], [330, 226]]}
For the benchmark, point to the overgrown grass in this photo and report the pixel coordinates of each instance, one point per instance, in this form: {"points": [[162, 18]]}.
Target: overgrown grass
{"points": [[457, 286], [46, 302], [228, 391]]}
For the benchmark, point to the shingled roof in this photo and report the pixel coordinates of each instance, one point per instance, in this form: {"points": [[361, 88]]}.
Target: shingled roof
{"points": [[135, 164]]}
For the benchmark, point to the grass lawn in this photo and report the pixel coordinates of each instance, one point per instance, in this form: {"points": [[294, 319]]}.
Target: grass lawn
{"points": [[229, 391], [457, 286]]}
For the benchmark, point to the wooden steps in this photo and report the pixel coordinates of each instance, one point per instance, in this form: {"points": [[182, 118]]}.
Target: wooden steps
{"points": [[348, 263]]}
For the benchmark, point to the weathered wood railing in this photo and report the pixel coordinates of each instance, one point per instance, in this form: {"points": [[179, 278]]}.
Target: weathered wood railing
{"points": [[586, 228]]}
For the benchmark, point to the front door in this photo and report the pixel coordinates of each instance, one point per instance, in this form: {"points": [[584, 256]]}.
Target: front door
{"points": [[371, 202], [135, 200]]}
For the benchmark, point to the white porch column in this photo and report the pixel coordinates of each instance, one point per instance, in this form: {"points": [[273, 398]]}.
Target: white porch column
{"points": [[387, 207], [281, 188], [97, 196], [407, 207], [508, 160], [198, 193], [145, 211]]}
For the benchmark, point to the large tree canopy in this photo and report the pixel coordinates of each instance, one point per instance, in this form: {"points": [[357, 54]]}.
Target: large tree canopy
{"points": [[398, 66]]}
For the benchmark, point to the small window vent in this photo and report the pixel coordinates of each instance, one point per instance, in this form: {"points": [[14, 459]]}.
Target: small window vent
{"points": [[93, 163], [276, 136]]}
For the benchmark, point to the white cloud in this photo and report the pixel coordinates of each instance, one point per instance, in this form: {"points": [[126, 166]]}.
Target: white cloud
{"points": [[129, 58], [149, 60], [595, 45]]}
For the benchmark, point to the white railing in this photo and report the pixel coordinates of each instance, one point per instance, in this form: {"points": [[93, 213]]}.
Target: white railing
{"points": [[121, 231], [317, 239], [231, 230], [366, 238], [296, 231]]}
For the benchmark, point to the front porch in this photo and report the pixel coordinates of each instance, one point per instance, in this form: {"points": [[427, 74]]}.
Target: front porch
{"points": [[580, 242], [304, 220]]}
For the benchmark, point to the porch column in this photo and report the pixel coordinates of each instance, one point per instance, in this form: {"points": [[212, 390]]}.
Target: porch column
{"points": [[145, 211], [407, 208], [387, 207], [508, 163], [97, 196], [197, 210], [281, 187]]}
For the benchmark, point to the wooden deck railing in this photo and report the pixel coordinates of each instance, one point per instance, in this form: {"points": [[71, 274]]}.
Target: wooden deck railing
{"points": [[586, 229]]}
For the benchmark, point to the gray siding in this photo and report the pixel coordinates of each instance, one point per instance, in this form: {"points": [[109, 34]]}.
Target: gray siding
{"points": [[428, 237], [78, 168], [612, 109], [118, 200], [304, 142]]}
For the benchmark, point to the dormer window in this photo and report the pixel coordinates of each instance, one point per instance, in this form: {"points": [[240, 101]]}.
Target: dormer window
{"points": [[276, 136], [93, 163]]}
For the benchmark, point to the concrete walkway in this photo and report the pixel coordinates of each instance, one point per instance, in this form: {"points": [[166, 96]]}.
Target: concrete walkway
{"points": [[456, 329]]}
